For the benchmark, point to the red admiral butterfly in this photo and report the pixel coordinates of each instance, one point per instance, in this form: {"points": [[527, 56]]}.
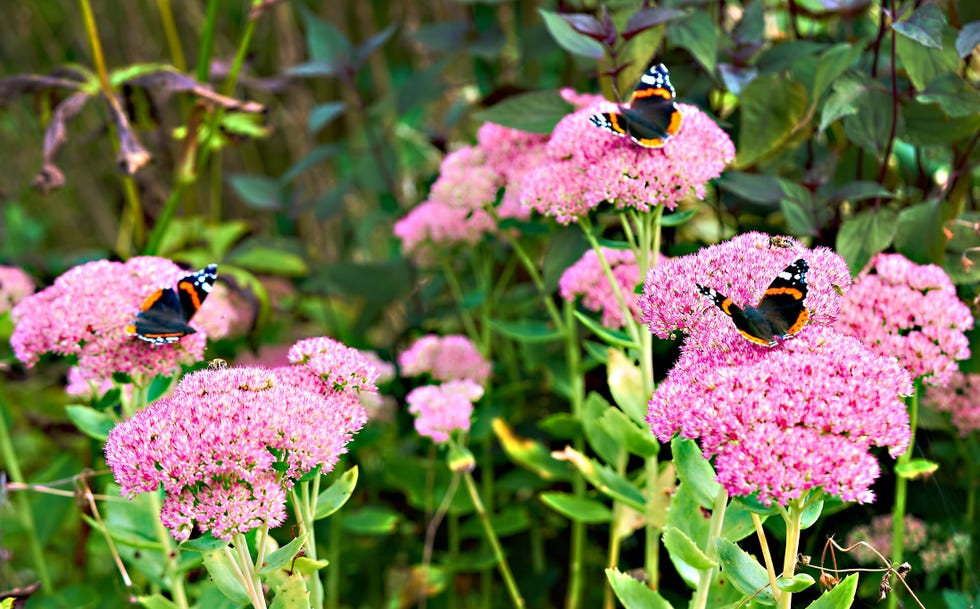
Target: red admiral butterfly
{"points": [[164, 317], [652, 117], [779, 315]]}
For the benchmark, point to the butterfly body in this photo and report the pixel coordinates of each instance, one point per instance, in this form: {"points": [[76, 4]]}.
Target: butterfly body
{"points": [[164, 317], [652, 118], [779, 314]]}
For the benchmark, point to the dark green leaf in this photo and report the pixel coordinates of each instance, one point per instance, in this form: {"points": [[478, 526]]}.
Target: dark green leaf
{"points": [[527, 331], [967, 39], [798, 208], [312, 158], [561, 426], [155, 601], [91, 422], [860, 190], [843, 101], [373, 43], [336, 495], [738, 522], [866, 234], [744, 571], [323, 115], [840, 597], [634, 439], [928, 125], [606, 445], [565, 247], [924, 26], [754, 187], [266, 255], [377, 282], [954, 95], [695, 471], [697, 33], [283, 556], [798, 583], [684, 548], [870, 127], [258, 192], [577, 509], [649, 17], [832, 63], [677, 218], [570, 40], [371, 520], [773, 107], [324, 42], [535, 112], [634, 594], [923, 63], [510, 520]]}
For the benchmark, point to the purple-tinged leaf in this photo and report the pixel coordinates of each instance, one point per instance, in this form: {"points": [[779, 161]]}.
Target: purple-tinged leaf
{"points": [[585, 24], [608, 27], [736, 77], [373, 43], [570, 40], [646, 18], [50, 177], [132, 155], [22, 84], [170, 80]]}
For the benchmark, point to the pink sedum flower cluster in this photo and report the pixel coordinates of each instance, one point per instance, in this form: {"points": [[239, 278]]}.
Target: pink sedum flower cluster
{"points": [[445, 358], [785, 420], [442, 409], [960, 397], [15, 286], [741, 269], [778, 422], [909, 311], [85, 312], [228, 443], [586, 278], [456, 211], [587, 166], [878, 534]]}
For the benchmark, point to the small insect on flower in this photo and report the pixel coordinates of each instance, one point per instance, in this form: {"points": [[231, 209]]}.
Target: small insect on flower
{"points": [[778, 241], [778, 316], [164, 317], [217, 364], [652, 117]]}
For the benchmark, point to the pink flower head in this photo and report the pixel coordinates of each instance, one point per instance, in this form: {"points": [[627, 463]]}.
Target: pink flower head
{"points": [[90, 389], [587, 279], [85, 312], [226, 445], [779, 422], [445, 358], [741, 269], [587, 166], [15, 286], [456, 211], [960, 398], [339, 367], [442, 409], [218, 316], [909, 311]]}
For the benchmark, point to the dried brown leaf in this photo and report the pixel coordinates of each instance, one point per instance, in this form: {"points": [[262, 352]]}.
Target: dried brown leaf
{"points": [[171, 80], [50, 177], [13, 87], [132, 155]]}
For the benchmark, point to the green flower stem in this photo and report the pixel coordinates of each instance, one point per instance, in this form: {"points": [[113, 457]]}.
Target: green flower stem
{"points": [[23, 505], [170, 33], [618, 513], [498, 552], [333, 558], [171, 555], [207, 42], [532, 271], [793, 517], [246, 570], [631, 328], [766, 555], [700, 600], [576, 379], [901, 492], [651, 550], [457, 292], [304, 505], [967, 450]]}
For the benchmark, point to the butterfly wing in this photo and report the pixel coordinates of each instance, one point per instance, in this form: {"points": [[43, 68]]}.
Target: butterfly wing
{"points": [[160, 319], [748, 325], [652, 117], [194, 288], [782, 305]]}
